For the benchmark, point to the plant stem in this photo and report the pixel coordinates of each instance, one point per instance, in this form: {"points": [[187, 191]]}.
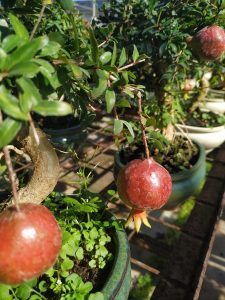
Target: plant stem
{"points": [[130, 65], [38, 21], [144, 138], [12, 174]]}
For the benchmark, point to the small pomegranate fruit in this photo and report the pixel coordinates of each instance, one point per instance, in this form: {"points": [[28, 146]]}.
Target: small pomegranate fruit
{"points": [[30, 242], [209, 42], [143, 185], [189, 85]]}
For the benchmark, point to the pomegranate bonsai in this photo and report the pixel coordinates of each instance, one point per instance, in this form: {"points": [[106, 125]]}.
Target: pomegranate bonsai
{"points": [[209, 42], [30, 242]]}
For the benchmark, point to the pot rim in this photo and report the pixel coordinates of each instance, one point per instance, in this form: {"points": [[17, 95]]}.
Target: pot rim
{"points": [[181, 174], [120, 242], [202, 129], [62, 131]]}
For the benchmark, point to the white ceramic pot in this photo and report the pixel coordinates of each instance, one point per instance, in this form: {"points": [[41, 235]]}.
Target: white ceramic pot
{"points": [[215, 102], [209, 137]]}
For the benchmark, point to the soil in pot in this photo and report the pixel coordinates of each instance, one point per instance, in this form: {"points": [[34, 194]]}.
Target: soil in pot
{"points": [[176, 156], [205, 119], [57, 123]]}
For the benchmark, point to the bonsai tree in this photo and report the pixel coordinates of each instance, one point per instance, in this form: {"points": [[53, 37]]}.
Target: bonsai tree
{"points": [[161, 29]]}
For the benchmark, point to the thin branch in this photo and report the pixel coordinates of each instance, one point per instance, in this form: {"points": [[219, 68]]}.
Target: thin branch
{"points": [[115, 113], [18, 151], [144, 138], [130, 65], [12, 176], [38, 21], [103, 43], [36, 136]]}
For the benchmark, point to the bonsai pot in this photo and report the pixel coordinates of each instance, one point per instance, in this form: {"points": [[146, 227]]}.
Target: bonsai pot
{"points": [[215, 102], [118, 283], [185, 183], [61, 137], [211, 137]]}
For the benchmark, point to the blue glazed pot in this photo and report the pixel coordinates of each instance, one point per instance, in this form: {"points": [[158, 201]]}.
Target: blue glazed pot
{"points": [[185, 183], [118, 283]]}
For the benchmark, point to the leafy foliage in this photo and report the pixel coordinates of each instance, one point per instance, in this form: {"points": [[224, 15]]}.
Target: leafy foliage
{"points": [[160, 29], [84, 250], [176, 156], [143, 288], [75, 66]]}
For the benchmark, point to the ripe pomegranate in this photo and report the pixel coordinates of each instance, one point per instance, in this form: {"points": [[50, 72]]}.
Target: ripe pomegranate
{"points": [[209, 42], [143, 185], [30, 242]]}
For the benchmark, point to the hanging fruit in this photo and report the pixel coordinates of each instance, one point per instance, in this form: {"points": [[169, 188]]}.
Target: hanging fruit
{"points": [[143, 185], [209, 42], [30, 242]]}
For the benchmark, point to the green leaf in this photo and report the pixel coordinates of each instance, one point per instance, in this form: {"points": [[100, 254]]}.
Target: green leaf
{"points": [[52, 78], [110, 98], [135, 54], [28, 69], [94, 233], [118, 126], [67, 4], [50, 49], [80, 253], [18, 27], [96, 296], [25, 52], [23, 292], [85, 288], [31, 94], [42, 286], [129, 127], [4, 292], [123, 103], [10, 105], [53, 108], [67, 264], [50, 272], [105, 57], [100, 89], [45, 64], [35, 297], [123, 57], [10, 42], [114, 55], [8, 130], [77, 71], [94, 46], [92, 263]]}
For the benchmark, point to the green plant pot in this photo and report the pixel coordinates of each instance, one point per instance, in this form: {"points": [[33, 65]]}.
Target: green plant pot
{"points": [[118, 283], [185, 183]]}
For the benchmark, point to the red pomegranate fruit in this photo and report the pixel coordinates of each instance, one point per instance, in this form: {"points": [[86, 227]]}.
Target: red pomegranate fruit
{"points": [[209, 42], [30, 242], [143, 185]]}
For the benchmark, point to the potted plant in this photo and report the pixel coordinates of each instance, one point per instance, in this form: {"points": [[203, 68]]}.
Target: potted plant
{"points": [[201, 124], [161, 29], [94, 260]]}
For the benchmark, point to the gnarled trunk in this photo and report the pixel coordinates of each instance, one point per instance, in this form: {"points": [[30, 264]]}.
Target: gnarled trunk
{"points": [[46, 168]]}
